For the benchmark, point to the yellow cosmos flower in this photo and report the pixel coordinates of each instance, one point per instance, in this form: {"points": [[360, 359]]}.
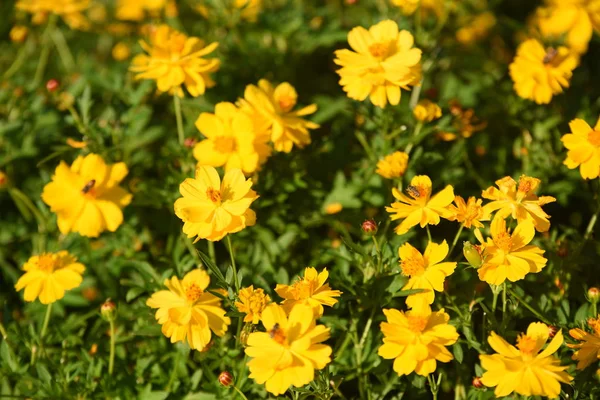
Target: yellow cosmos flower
{"points": [[175, 60], [417, 340], [584, 148], [393, 165], [409, 7], [588, 351], [211, 209], [86, 197], [289, 351], [135, 10], [272, 108], [309, 290], [420, 208], [426, 271], [469, 213], [477, 29], [540, 73], [509, 256], [49, 275], [71, 11], [524, 369], [382, 62], [187, 312], [252, 302], [231, 140], [427, 111], [520, 202]]}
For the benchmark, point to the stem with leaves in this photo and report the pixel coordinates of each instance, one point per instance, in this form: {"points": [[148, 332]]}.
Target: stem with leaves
{"points": [[34, 350], [179, 117]]}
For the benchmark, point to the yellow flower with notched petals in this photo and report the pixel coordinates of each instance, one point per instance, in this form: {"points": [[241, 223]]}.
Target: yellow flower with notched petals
{"points": [[583, 144], [86, 197], [520, 201], [211, 209], [310, 290], [508, 255], [232, 140], [540, 73], [469, 213], [426, 271], [417, 339], [71, 11], [427, 111], [526, 369], [272, 109], [252, 302], [175, 60], [49, 275], [420, 208], [289, 351], [382, 61], [187, 312], [588, 351], [393, 165]]}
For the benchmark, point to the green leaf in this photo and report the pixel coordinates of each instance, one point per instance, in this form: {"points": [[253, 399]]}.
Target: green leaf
{"points": [[43, 373], [200, 396], [458, 352], [212, 266]]}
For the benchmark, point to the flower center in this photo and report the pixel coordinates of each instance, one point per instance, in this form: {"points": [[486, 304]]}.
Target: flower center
{"points": [[46, 263], [526, 344], [594, 138], [379, 50], [193, 293], [304, 288], [594, 323], [277, 334], [418, 192], [503, 241], [550, 55], [412, 267], [224, 144], [416, 323], [213, 195], [286, 103]]}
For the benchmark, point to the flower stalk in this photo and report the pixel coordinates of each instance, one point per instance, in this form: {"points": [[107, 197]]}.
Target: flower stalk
{"points": [[179, 118]]}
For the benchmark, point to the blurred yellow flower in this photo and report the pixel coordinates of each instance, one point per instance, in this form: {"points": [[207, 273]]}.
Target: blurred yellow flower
{"points": [[135, 10], [408, 7], [76, 144], [71, 11], [232, 140], [18, 33], [417, 339], [174, 60], [333, 208], [289, 351], [426, 271], [309, 290], [540, 73], [121, 51], [211, 209], [382, 62], [249, 8], [252, 302], [508, 255], [588, 351], [469, 213], [477, 29], [49, 275], [188, 312], [272, 110], [420, 208], [393, 165], [86, 197], [427, 111], [465, 122], [520, 201], [583, 144], [524, 369]]}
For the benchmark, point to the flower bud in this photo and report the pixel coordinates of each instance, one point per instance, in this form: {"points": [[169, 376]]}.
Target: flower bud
{"points": [[18, 33], [473, 254], [552, 331], [593, 295], [189, 142], [369, 227], [3, 180], [108, 310], [477, 382], [225, 378], [52, 85]]}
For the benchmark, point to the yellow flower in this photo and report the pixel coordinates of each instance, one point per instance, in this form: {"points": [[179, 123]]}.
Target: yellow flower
{"points": [[86, 197], [18, 33], [252, 302], [540, 73], [175, 60], [393, 165], [187, 312], [427, 111], [408, 7], [420, 208], [417, 339], [49, 275], [519, 202], [465, 123], [121, 51], [509, 256], [588, 351], [272, 108], [333, 208], [289, 351], [469, 213], [231, 140], [71, 11], [477, 29], [211, 209], [249, 8], [584, 148], [309, 290], [383, 61], [426, 271], [524, 369], [135, 10]]}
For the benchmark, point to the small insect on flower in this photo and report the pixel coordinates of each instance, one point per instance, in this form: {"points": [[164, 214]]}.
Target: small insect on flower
{"points": [[88, 186], [413, 191]]}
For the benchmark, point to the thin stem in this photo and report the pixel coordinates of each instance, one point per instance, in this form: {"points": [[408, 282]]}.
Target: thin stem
{"points": [[416, 132], [179, 118], [18, 62], [594, 310], [3, 332], [174, 371], [240, 392], [590, 227], [474, 174], [363, 338], [211, 251], [378, 250], [45, 53], [235, 278], [527, 306], [428, 233], [46, 321], [363, 142], [63, 49], [495, 299], [456, 239], [190, 245], [432, 386], [503, 299], [113, 339]]}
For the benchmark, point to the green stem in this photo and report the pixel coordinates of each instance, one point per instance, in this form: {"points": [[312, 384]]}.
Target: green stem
{"points": [[113, 339], [456, 239], [45, 53], [527, 306], [433, 386], [63, 49], [363, 142], [3, 332], [428, 233], [211, 251], [174, 372], [503, 299], [179, 118], [495, 299], [18, 62], [594, 310], [235, 278], [46, 321], [242, 395], [416, 132], [378, 250], [590, 227]]}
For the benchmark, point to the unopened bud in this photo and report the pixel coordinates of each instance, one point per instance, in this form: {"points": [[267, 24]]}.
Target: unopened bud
{"points": [[108, 310], [52, 85], [477, 382], [593, 295], [473, 254], [3, 180], [18, 33], [369, 227], [552, 331], [189, 142], [225, 378]]}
